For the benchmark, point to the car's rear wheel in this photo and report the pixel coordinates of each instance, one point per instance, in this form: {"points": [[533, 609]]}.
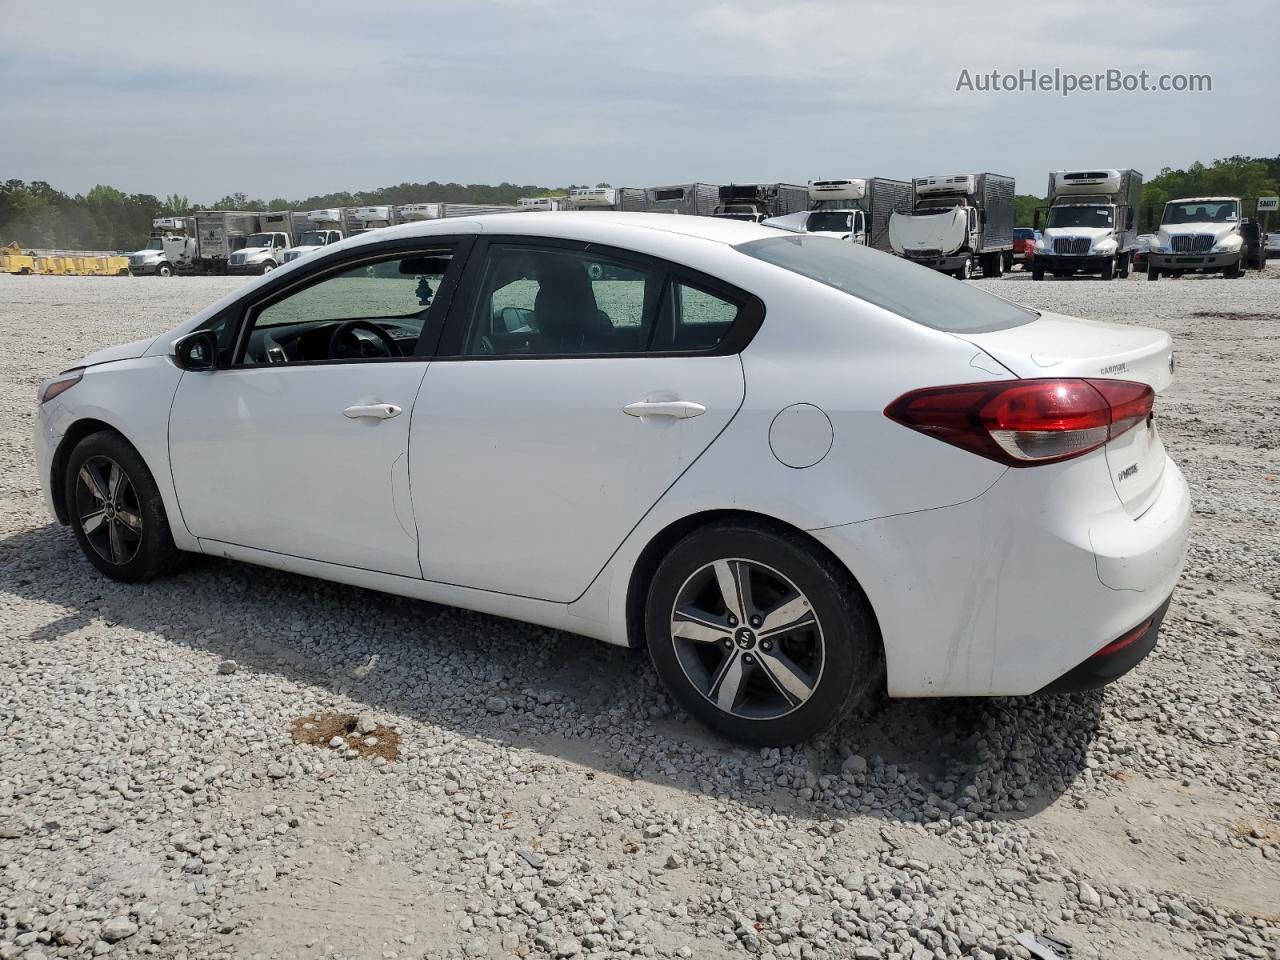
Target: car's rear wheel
{"points": [[116, 512], [760, 636]]}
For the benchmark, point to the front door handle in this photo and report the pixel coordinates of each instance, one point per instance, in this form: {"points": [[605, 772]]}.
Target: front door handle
{"points": [[376, 411], [680, 409]]}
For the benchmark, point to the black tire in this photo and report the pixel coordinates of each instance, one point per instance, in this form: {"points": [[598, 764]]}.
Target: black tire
{"points": [[1235, 270], [164, 270], [267, 267], [1123, 267], [152, 553], [1153, 273], [1109, 269], [843, 633], [1037, 273]]}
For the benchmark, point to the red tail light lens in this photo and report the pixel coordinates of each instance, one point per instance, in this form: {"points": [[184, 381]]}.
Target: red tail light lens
{"points": [[1026, 422]]}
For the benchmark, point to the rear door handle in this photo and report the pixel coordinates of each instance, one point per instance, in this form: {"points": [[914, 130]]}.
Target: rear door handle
{"points": [[376, 411], [680, 409]]}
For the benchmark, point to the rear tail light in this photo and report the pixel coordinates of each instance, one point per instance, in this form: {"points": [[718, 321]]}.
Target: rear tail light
{"points": [[1022, 423], [1128, 640]]}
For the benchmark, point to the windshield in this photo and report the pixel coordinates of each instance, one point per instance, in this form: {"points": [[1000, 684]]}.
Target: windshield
{"points": [[930, 205], [1200, 211], [917, 293], [831, 221], [259, 239], [313, 238], [1081, 216], [155, 243]]}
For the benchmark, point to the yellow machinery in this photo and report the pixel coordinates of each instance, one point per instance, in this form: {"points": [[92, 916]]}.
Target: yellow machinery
{"points": [[13, 260]]}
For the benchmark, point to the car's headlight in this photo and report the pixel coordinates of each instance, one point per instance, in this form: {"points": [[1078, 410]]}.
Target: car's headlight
{"points": [[59, 384], [1041, 245], [1105, 247], [1228, 245]]}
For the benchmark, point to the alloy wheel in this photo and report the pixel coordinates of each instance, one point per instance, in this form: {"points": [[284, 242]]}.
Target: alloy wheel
{"points": [[747, 639], [108, 510]]}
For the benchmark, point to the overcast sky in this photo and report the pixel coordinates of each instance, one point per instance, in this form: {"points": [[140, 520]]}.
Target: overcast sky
{"points": [[289, 100]]}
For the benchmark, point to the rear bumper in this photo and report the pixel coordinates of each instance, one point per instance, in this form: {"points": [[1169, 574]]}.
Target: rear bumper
{"points": [[1108, 664], [244, 269], [1192, 261], [1007, 593]]}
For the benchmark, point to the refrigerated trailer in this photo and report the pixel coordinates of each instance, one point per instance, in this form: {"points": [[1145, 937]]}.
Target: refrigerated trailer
{"points": [[958, 223], [759, 201], [220, 233], [693, 199], [440, 211], [1089, 227]]}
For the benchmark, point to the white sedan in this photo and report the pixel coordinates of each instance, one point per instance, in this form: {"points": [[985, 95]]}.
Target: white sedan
{"points": [[798, 471]]}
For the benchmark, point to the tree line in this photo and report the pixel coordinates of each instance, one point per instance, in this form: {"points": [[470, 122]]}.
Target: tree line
{"points": [[37, 214]]}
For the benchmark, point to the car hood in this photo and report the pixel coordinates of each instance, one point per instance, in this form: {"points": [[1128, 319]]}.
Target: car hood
{"points": [[144, 252], [1093, 233], [252, 251], [1219, 230], [123, 351], [943, 231]]}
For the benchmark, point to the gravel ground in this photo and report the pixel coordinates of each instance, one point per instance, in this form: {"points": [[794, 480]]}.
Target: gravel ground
{"points": [[531, 793]]}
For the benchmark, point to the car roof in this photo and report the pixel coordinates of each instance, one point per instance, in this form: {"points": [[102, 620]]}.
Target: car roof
{"points": [[601, 226]]}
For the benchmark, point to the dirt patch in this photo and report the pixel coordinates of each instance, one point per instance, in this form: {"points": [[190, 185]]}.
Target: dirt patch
{"points": [[1218, 315], [319, 729]]}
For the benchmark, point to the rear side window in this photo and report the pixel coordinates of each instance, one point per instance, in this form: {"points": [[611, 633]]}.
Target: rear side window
{"points": [[692, 318], [917, 293]]}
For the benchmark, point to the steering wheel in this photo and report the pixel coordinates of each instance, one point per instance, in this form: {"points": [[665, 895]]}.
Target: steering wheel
{"points": [[389, 347]]}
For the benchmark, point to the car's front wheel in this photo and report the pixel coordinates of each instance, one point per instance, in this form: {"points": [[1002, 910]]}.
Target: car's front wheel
{"points": [[759, 635], [116, 512]]}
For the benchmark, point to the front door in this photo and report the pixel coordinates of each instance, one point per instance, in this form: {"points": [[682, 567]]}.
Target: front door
{"points": [[582, 385], [300, 446]]}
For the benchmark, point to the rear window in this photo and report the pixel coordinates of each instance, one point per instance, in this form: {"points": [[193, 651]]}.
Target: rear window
{"points": [[917, 293]]}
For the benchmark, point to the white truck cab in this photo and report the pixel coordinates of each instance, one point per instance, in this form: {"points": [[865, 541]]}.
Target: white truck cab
{"points": [[1089, 227], [1198, 235], [261, 253], [542, 203], [169, 249], [593, 198], [325, 230]]}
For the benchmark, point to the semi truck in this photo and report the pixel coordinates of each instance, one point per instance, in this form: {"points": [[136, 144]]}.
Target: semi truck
{"points": [[1198, 235], [318, 229], [957, 223], [693, 199], [756, 202], [170, 249], [220, 233], [263, 250], [1089, 226]]}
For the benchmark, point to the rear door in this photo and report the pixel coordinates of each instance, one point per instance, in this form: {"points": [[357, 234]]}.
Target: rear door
{"points": [[574, 387]]}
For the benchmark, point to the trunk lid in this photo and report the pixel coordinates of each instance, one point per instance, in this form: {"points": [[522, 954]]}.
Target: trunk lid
{"points": [[1060, 346]]}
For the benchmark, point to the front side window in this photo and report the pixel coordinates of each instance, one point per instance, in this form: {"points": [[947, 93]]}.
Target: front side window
{"points": [[373, 310], [545, 301]]}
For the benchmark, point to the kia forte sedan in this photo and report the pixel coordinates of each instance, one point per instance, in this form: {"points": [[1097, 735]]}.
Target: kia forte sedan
{"points": [[797, 471]]}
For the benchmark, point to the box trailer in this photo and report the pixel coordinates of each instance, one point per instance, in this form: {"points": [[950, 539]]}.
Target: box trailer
{"points": [[759, 201], [693, 199], [220, 233]]}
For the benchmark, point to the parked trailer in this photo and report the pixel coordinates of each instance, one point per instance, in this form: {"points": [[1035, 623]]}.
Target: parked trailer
{"points": [[442, 211], [857, 208], [956, 223], [594, 198], [528, 204], [1090, 224], [632, 199], [373, 217], [759, 201], [694, 199], [220, 233]]}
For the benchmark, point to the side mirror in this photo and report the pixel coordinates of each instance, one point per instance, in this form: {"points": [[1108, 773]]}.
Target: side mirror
{"points": [[1036, 220], [195, 351]]}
